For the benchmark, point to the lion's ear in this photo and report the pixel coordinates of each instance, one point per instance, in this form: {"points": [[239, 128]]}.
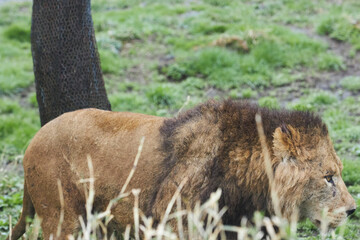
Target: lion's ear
{"points": [[287, 141]]}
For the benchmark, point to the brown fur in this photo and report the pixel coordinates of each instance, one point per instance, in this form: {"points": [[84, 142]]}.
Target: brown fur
{"points": [[214, 145]]}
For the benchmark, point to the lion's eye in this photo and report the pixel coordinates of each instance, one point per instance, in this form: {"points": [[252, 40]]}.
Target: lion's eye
{"points": [[329, 178]]}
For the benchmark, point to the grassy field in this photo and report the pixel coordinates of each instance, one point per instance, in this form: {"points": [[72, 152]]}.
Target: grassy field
{"points": [[296, 54]]}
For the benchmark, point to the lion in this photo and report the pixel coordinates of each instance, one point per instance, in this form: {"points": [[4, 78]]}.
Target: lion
{"points": [[214, 145]]}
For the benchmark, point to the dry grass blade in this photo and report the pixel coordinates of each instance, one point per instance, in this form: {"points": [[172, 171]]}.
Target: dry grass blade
{"points": [[136, 193], [184, 105], [190, 226], [123, 189], [122, 193], [161, 227], [10, 227], [179, 218], [127, 232], [61, 219], [268, 165], [324, 227], [293, 224], [147, 228], [270, 228], [36, 229], [90, 200]]}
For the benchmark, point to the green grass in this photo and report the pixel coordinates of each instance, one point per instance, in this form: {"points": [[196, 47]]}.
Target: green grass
{"points": [[341, 27], [269, 102], [15, 55], [110, 63], [248, 93], [16, 68], [329, 61], [17, 127], [20, 33], [154, 54], [11, 187], [351, 83], [165, 95], [350, 173]]}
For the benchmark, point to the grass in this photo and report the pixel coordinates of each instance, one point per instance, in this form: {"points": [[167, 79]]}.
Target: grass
{"points": [[269, 102], [18, 126], [20, 33], [330, 61], [154, 54], [248, 93], [16, 70], [11, 187], [342, 28], [351, 83]]}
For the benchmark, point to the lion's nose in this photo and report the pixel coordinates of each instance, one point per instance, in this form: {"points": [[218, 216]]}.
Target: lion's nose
{"points": [[349, 212]]}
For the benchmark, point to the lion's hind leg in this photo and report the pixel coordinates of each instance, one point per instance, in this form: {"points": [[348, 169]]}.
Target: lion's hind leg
{"points": [[60, 217], [53, 226]]}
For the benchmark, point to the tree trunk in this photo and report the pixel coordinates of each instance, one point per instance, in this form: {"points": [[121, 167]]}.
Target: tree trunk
{"points": [[66, 61]]}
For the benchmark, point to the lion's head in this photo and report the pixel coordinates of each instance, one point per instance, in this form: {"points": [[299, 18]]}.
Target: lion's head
{"points": [[307, 176]]}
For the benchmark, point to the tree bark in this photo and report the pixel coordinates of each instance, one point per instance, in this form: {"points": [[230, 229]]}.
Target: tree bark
{"points": [[66, 61]]}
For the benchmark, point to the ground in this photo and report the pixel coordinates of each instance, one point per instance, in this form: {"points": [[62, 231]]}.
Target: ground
{"points": [[296, 54]]}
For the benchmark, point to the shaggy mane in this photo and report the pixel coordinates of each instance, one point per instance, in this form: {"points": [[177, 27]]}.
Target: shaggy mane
{"points": [[238, 121], [235, 121], [240, 116]]}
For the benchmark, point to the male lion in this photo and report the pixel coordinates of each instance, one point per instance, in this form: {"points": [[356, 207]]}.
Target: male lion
{"points": [[214, 145]]}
